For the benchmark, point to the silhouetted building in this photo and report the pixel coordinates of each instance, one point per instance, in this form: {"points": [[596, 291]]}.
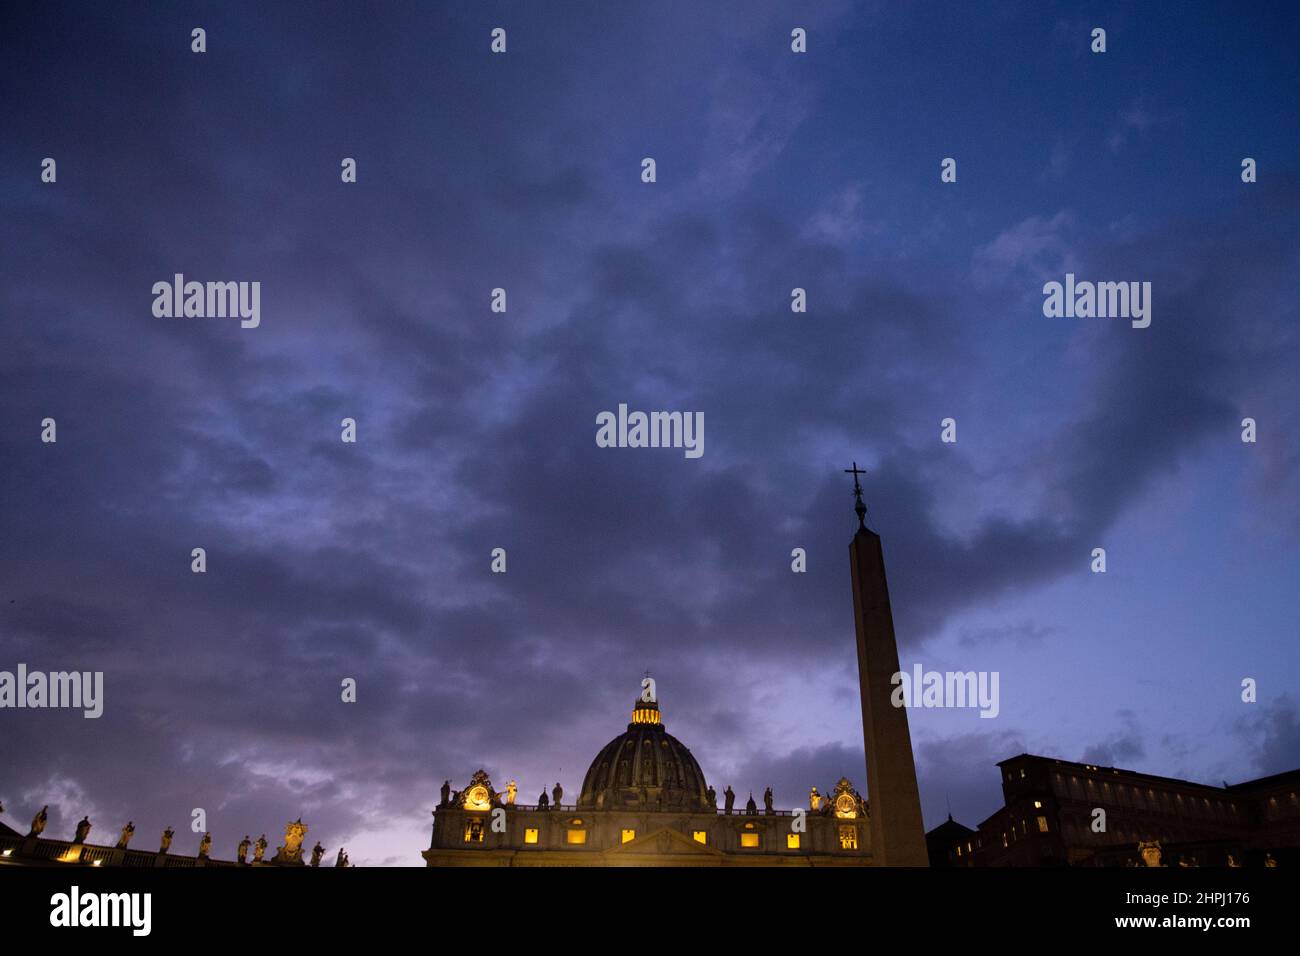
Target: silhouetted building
{"points": [[943, 838], [1051, 818]]}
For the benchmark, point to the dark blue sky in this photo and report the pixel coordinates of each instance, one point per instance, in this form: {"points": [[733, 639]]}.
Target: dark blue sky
{"points": [[476, 430]]}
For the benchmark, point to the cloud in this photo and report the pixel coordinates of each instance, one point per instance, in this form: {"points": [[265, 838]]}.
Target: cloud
{"points": [[1037, 246], [1123, 748], [1023, 635], [1136, 120], [1271, 735], [1058, 161], [961, 772]]}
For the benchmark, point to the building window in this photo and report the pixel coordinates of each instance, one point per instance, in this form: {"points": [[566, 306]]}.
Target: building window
{"points": [[792, 841], [1038, 804], [629, 836], [530, 835], [474, 831], [700, 836], [1042, 824], [749, 839], [576, 837]]}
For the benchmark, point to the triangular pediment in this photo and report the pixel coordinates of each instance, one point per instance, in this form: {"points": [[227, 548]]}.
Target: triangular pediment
{"points": [[664, 840]]}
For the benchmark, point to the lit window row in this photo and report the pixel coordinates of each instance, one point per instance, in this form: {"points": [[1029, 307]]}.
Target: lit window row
{"points": [[474, 832]]}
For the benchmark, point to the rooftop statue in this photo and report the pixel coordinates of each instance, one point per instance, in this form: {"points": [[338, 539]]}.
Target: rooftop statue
{"points": [[1150, 852], [291, 852]]}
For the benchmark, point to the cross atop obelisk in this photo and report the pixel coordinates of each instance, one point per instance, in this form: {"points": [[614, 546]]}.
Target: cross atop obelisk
{"points": [[858, 507]]}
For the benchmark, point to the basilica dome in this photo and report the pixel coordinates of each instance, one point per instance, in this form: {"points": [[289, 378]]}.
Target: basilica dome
{"points": [[645, 767]]}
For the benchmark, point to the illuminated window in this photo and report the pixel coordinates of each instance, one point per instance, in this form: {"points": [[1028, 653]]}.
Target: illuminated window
{"points": [[848, 838], [700, 836], [1042, 824], [1004, 839], [629, 836], [1038, 804], [474, 831], [792, 841], [530, 835], [575, 836], [749, 839], [959, 849]]}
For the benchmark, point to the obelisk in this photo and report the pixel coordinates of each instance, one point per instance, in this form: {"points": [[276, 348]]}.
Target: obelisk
{"points": [[897, 833]]}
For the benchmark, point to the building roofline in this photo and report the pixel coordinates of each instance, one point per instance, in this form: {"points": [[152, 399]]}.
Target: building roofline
{"points": [[1138, 774], [1286, 776]]}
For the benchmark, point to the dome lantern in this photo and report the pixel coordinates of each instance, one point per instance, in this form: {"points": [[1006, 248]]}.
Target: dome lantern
{"points": [[646, 712]]}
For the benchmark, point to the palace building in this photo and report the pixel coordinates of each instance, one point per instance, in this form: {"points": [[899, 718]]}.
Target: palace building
{"points": [[1059, 813]]}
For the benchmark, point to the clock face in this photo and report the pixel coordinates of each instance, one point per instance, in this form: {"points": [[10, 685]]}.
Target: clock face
{"points": [[477, 798], [844, 806]]}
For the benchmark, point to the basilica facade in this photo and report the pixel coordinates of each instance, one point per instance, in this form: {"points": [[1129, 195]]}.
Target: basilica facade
{"points": [[645, 802]]}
